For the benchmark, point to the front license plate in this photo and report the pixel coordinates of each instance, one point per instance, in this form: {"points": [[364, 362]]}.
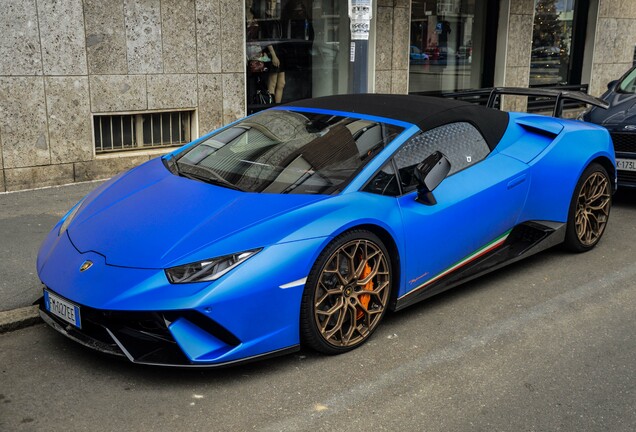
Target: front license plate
{"points": [[64, 309], [626, 164]]}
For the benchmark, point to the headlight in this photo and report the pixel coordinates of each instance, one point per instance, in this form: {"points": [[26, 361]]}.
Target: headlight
{"points": [[208, 270], [68, 218]]}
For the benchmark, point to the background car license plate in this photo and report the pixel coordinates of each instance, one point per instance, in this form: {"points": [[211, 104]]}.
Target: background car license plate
{"points": [[626, 164], [64, 309]]}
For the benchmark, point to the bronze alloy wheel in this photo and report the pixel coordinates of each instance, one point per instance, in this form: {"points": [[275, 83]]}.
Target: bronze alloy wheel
{"points": [[592, 209], [351, 293], [589, 209]]}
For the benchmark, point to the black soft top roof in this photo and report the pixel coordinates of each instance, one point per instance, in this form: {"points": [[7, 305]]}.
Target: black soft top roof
{"points": [[424, 111]]}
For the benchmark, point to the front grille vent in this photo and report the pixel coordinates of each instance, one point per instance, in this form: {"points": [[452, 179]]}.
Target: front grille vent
{"points": [[624, 142], [627, 177]]}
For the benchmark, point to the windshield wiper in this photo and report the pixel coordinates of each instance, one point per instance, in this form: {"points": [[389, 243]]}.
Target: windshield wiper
{"points": [[217, 178]]}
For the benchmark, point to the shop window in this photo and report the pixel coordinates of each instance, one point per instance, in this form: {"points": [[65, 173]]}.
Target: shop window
{"points": [[552, 42], [117, 132], [295, 49], [452, 47]]}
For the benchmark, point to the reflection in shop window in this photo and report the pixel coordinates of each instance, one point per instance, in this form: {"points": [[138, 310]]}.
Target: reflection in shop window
{"points": [[551, 42], [294, 50], [447, 45]]}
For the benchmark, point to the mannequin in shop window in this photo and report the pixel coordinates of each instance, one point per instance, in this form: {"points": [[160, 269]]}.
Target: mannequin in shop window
{"points": [[273, 32]]}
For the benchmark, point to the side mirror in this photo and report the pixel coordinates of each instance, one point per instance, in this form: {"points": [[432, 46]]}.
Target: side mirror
{"points": [[611, 84], [429, 174]]}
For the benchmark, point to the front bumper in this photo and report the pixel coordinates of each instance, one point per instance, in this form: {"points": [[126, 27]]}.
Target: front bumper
{"points": [[151, 337], [625, 148], [251, 313]]}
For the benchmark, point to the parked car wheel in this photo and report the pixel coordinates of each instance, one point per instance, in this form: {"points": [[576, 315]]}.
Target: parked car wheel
{"points": [[589, 209], [346, 294]]}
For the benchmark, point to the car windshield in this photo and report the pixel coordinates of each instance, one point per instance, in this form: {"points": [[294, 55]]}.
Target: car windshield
{"points": [[628, 84], [279, 151]]}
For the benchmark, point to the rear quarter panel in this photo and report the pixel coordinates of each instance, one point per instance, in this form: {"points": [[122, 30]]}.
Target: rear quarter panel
{"points": [[556, 170]]}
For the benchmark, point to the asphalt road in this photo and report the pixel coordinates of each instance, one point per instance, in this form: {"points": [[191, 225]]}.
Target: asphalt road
{"points": [[547, 344]]}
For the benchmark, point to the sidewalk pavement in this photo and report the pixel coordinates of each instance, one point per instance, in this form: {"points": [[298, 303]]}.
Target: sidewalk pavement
{"points": [[25, 219]]}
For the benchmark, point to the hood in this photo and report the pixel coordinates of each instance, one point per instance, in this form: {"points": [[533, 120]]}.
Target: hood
{"points": [[622, 110], [150, 218]]}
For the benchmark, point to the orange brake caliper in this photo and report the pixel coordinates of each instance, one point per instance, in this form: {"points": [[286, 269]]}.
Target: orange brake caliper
{"points": [[365, 298]]}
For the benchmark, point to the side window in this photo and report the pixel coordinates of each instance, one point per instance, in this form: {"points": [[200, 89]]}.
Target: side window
{"points": [[384, 182], [460, 142]]}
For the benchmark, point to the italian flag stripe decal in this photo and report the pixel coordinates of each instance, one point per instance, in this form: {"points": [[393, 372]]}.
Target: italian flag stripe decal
{"points": [[480, 252]]}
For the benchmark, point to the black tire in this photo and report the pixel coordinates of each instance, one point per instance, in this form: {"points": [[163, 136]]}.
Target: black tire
{"points": [[589, 209], [347, 293]]}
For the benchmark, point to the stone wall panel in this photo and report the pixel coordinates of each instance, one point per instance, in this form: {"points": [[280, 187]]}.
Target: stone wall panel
{"points": [[210, 102], [1, 158], [62, 37], [117, 93], [617, 9], [2, 188], [615, 41], [103, 168], [20, 40], [520, 40], [70, 130], [383, 81], [143, 35], [40, 176], [384, 38], [232, 36], [401, 38], [606, 37], [233, 97], [518, 76], [208, 24], [178, 35], [604, 73], [105, 37], [514, 103], [522, 7], [399, 81], [23, 123], [172, 91]]}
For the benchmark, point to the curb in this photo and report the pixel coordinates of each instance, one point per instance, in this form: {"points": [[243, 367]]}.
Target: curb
{"points": [[19, 318]]}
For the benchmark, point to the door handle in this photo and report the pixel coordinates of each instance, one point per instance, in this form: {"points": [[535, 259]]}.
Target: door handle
{"points": [[516, 181]]}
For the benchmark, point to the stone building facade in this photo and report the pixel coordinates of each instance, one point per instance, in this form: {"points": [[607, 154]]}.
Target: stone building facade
{"points": [[64, 62]]}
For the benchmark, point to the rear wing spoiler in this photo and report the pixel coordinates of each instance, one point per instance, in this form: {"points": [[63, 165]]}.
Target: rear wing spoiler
{"points": [[558, 95]]}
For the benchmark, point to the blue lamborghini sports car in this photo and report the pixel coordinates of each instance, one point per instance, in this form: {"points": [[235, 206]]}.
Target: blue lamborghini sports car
{"points": [[305, 223]]}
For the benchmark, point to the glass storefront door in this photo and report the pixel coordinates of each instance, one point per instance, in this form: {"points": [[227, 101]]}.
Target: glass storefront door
{"points": [[447, 51], [296, 49]]}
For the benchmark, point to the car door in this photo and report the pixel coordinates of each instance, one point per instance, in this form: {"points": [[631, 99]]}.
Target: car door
{"points": [[477, 203]]}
